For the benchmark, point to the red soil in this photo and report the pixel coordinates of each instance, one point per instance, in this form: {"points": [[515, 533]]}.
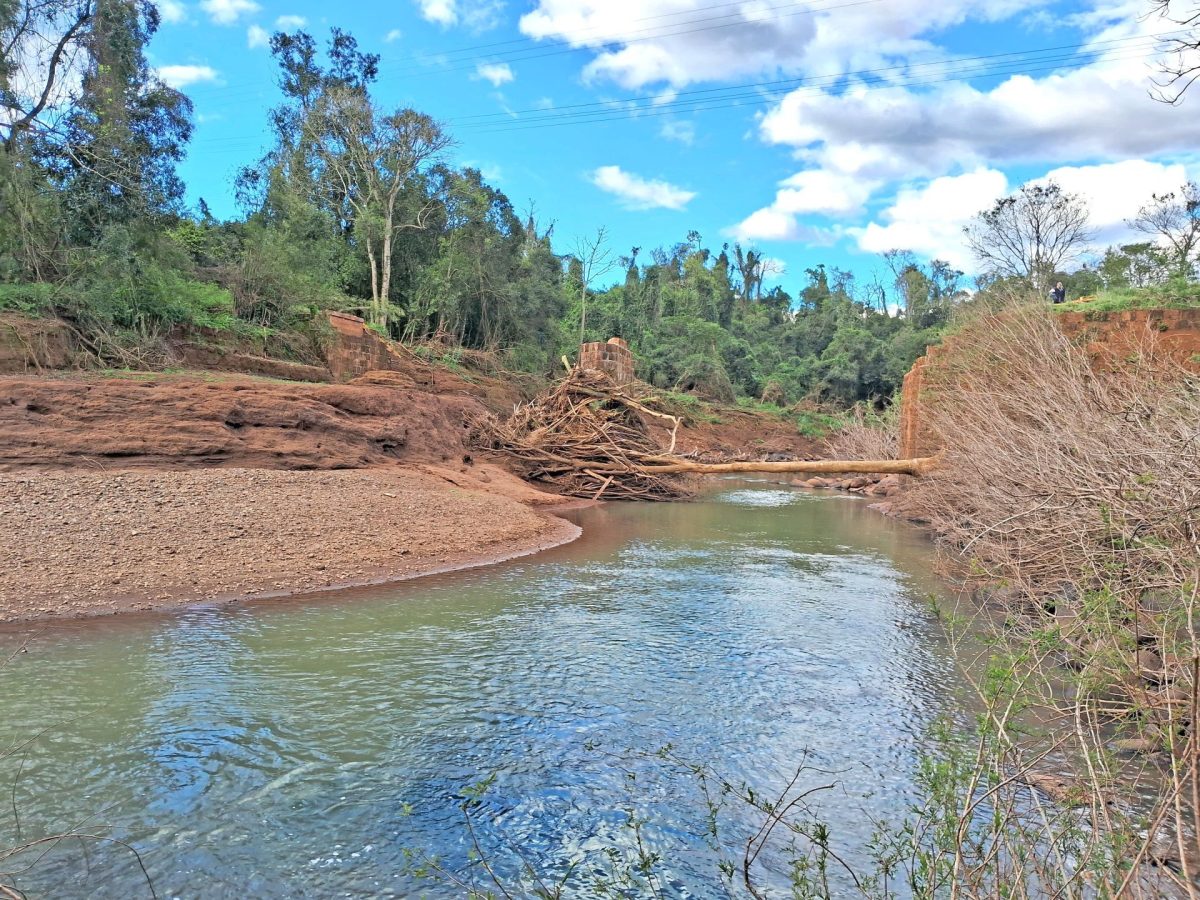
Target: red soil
{"points": [[154, 490], [173, 421]]}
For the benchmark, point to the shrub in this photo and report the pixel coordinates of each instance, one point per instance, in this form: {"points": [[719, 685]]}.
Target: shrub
{"points": [[816, 425], [867, 435], [31, 299], [1077, 492]]}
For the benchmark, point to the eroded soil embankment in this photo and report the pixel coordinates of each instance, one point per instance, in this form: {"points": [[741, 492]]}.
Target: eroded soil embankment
{"points": [[179, 422], [153, 490], [205, 420], [124, 493]]}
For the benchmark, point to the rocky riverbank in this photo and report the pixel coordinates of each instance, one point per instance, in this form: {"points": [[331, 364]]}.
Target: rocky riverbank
{"points": [[147, 490], [880, 487]]}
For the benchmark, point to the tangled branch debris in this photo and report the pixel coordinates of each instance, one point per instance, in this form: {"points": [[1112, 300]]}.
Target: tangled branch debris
{"points": [[587, 437]]}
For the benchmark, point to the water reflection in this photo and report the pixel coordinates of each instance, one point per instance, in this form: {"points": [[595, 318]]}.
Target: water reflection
{"points": [[273, 749]]}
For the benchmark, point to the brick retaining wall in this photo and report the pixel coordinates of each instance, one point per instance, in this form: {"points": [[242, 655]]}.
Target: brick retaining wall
{"points": [[356, 349], [611, 357]]}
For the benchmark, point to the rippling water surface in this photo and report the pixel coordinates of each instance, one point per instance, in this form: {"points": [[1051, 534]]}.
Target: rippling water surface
{"points": [[296, 748]]}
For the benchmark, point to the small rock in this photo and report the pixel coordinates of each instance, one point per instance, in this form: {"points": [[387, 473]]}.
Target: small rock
{"points": [[1135, 745], [1150, 665]]}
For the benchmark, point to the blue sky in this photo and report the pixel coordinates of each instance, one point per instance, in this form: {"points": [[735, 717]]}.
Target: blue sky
{"points": [[816, 130]]}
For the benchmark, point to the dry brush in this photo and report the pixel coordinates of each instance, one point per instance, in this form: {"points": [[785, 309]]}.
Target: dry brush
{"points": [[1070, 497]]}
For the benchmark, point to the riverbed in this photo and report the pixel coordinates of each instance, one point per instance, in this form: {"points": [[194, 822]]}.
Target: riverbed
{"points": [[316, 746]]}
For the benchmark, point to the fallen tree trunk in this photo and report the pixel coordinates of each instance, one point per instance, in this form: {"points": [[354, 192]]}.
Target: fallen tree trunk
{"points": [[916, 466], [588, 437]]}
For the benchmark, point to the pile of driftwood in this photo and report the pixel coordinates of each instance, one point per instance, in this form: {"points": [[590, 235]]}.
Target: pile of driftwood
{"points": [[588, 437]]}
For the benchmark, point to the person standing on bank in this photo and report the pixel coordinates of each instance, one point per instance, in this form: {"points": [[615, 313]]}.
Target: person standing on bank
{"points": [[1059, 293]]}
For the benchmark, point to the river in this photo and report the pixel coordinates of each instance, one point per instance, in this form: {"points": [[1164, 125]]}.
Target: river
{"points": [[307, 747]]}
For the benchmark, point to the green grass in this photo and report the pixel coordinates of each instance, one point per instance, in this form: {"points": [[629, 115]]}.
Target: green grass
{"points": [[749, 404], [1175, 294], [809, 423], [817, 425]]}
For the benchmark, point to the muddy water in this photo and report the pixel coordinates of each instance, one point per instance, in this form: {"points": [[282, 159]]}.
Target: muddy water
{"points": [[296, 748]]}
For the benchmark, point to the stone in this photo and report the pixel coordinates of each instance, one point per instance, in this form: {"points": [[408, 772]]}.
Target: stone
{"points": [[1135, 745], [1149, 665]]}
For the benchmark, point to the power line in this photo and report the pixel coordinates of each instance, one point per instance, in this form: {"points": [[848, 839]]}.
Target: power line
{"points": [[1005, 66], [626, 41], [423, 68], [597, 28], [787, 84], [654, 113], [674, 98]]}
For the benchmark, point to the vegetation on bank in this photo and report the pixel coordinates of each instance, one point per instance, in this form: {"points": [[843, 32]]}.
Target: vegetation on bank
{"points": [[1068, 498], [1175, 293], [1070, 494], [357, 207]]}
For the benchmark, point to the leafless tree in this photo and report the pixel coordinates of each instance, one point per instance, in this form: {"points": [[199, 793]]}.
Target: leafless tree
{"points": [[39, 40], [875, 294], [1174, 218], [1030, 234], [596, 260], [769, 269], [369, 159], [1181, 48]]}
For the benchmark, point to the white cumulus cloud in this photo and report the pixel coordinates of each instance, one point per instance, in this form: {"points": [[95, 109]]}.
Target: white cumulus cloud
{"points": [[1115, 191], [823, 192], [257, 36], [640, 42], [950, 142], [227, 12], [290, 23], [928, 219], [636, 192], [495, 73], [475, 15], [771, 225], [172, 11], [182, 76], [768, 225], [443, 12], [392, 36]]}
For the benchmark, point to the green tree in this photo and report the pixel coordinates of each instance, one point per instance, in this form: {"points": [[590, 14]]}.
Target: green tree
{"points": [[367, 160], [1134, 266], [115, 162], [38, 38]]}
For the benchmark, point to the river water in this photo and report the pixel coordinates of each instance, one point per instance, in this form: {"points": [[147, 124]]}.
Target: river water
{"points": [[308, 747]]}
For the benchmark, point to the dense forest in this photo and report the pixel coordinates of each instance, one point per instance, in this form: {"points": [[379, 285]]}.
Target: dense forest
{"points": [[358, 208]]}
